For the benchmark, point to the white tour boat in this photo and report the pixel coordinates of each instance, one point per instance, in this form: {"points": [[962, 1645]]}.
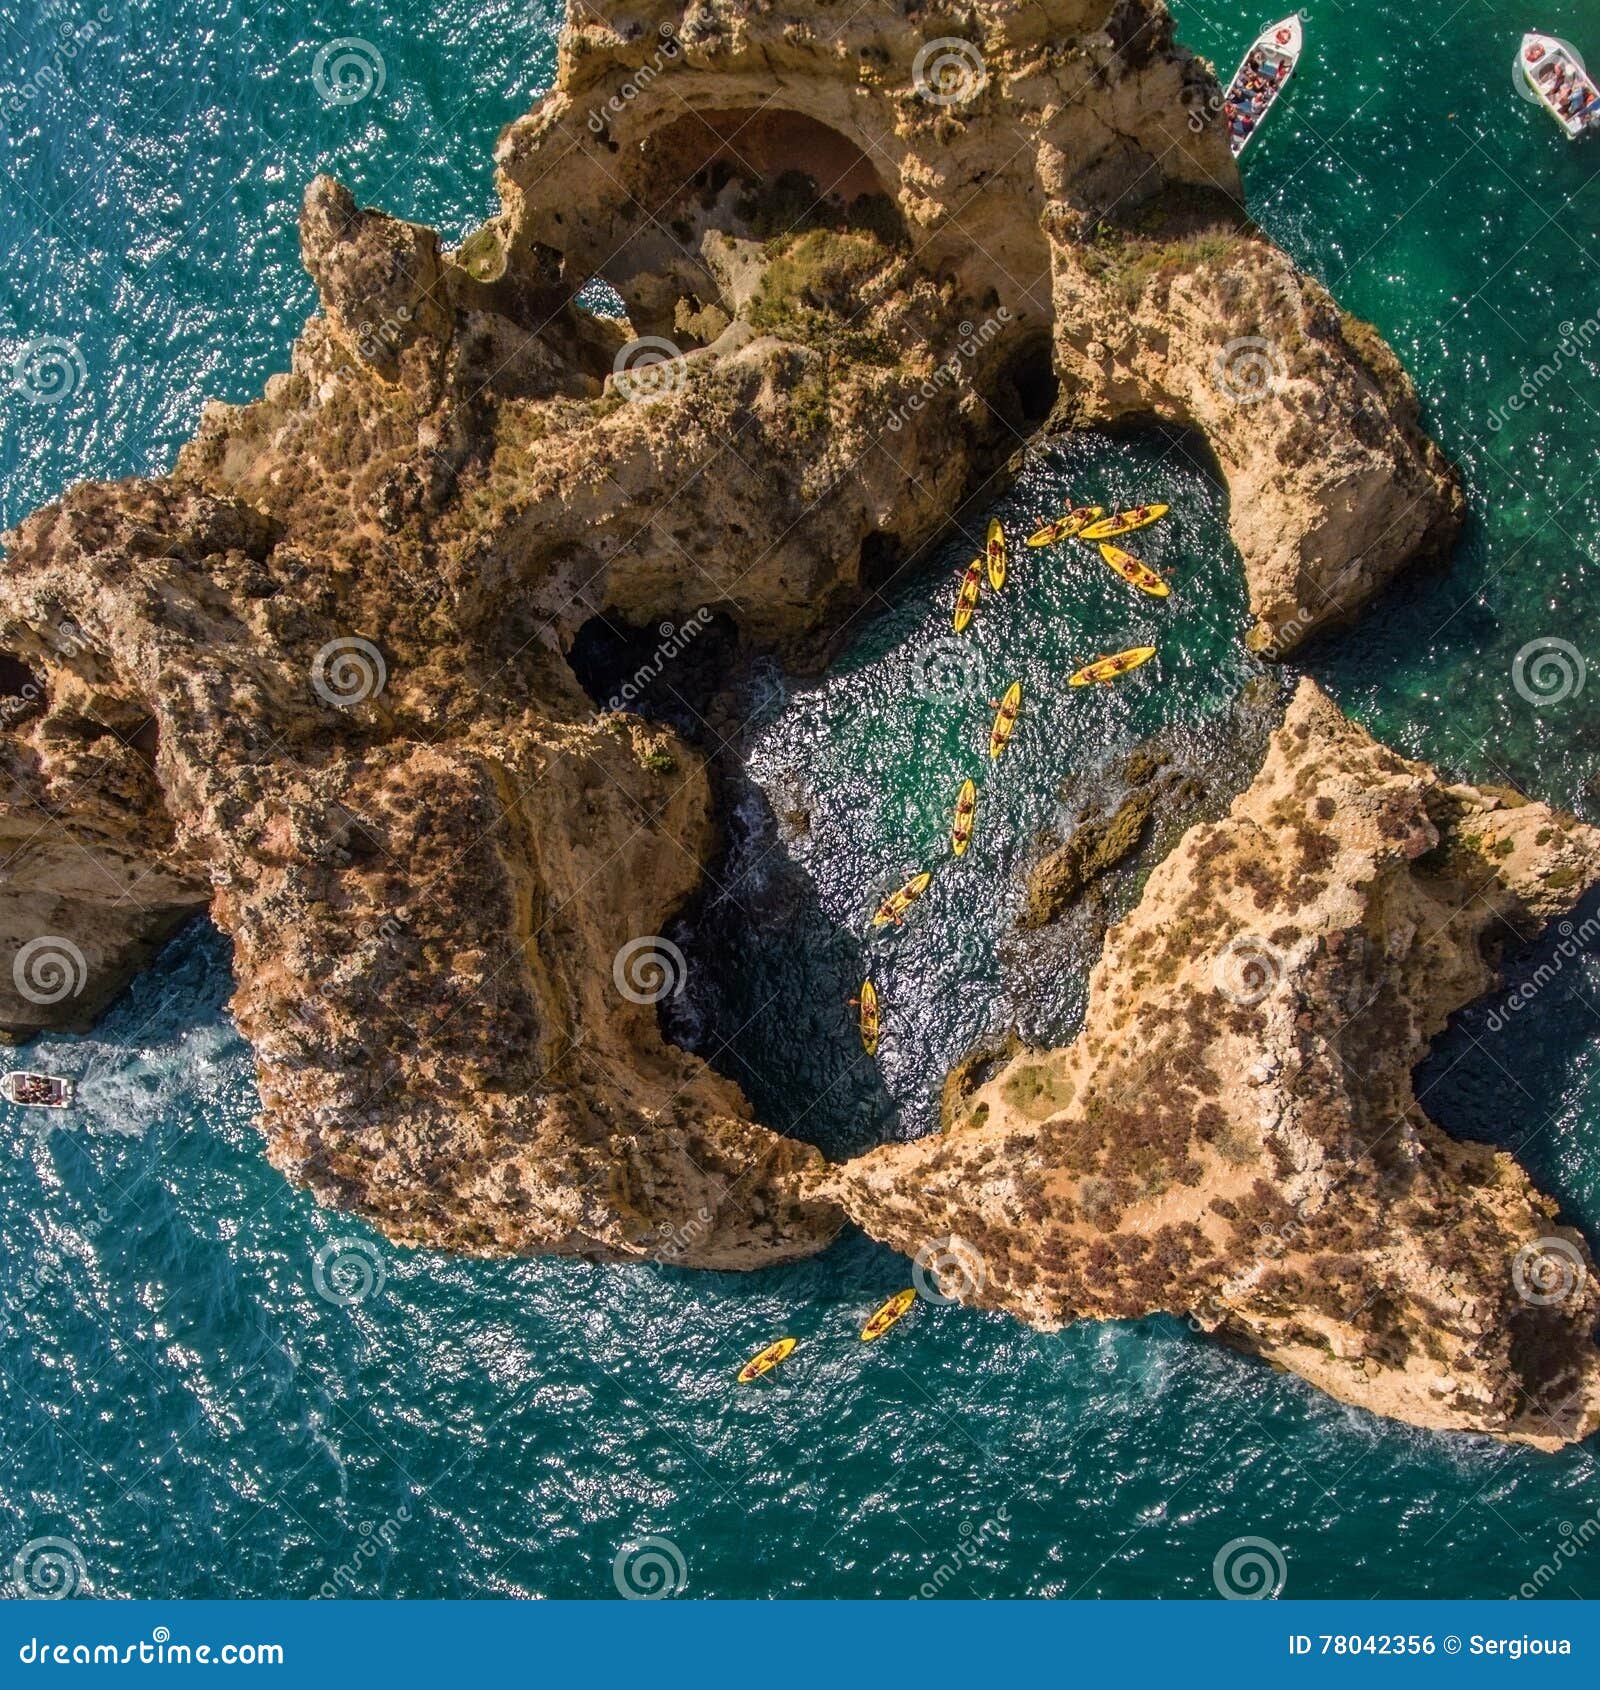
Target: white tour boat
{"points": [[1549, 73], [29, 1090], [1262, 75]]}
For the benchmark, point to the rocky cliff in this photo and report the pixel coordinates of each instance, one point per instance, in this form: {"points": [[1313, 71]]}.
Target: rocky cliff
{"points": [[1234, 1136], [319, 678]]}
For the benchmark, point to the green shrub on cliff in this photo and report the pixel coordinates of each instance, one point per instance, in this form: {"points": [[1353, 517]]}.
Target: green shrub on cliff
{"points": [[1127, 264], [814, 281]]}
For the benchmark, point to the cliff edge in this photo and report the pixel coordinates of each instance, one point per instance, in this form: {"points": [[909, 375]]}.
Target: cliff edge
{"points": [[1234, 1136], [317, 681]]}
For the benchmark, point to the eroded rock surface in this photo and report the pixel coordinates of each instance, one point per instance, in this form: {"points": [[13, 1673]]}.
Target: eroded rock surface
{"points": [[1235, 1137], [317, 678]]}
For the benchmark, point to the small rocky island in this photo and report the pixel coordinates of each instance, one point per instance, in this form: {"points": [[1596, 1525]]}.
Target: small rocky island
{"points": [[317, 681]]}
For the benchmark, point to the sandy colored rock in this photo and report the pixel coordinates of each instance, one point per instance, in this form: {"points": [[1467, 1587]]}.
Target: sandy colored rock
{"points": [[320, 680], [1234, 1136], [1101, 839]]}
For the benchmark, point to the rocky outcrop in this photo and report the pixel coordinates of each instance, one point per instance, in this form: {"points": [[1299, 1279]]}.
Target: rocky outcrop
{"points": [[1234, 1136], [1190, 315], [1059, 175], [1103, 837], [318, 677]]}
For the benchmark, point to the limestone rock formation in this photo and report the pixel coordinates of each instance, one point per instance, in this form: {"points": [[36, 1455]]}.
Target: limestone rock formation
{"points": [[1055, 169], [1234, 1136], [318, 678]]}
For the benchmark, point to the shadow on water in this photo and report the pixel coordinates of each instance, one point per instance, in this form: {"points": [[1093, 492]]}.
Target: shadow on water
{"points": [[1518, 1069], [771, 1006], [834, 788], [767, 996]]}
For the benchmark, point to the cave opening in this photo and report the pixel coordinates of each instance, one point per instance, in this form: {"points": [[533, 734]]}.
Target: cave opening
{"points": [[882, 553], [145, 742], [600, 299], [1026, 387], [744, 181], [672, 671], [17, 680]]}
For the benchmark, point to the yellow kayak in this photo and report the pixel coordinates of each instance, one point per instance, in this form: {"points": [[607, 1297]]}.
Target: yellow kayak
{"points": [[1125, 522], [894, 907], [1136, 574], [896, 1309], [868, 1002], [1005, 720], [1067, 527], [967, 598], [966, 817], [995, 551], [1109, 668], [767, 1360]]}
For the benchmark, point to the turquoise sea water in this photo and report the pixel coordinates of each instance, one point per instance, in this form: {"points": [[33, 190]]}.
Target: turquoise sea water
{"points": [[181, 1402]]}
